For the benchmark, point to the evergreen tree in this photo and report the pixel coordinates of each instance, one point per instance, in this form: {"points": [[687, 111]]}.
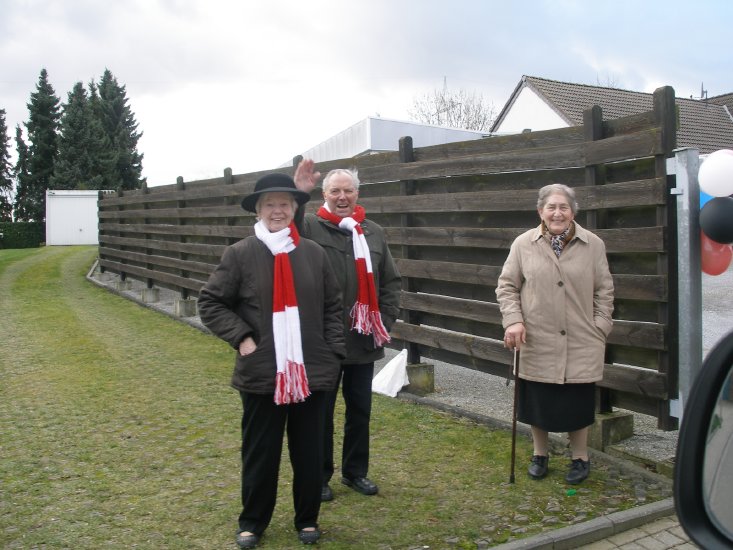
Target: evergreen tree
{"points": [[6, 173], [80, 153], [121, 128], [42, 128], [22, 178], [104, 156]]}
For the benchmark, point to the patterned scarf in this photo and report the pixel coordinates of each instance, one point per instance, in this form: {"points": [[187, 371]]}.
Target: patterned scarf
{"points": [[365, 316], [291, 382], [558, 242]]}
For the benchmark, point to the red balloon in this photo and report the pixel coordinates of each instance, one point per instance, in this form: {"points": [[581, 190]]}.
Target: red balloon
{"points": [[716, 257]]}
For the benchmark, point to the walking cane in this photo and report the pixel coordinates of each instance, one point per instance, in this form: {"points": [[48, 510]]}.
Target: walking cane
{"points": [[515, 371]]}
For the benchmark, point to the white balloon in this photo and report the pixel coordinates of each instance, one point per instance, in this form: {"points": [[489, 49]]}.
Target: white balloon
{"points": [[716, 173]]}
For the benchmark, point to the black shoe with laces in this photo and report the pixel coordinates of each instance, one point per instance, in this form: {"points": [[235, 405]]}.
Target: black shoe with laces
{"points": [[361, 485], [326, 493], [538, 467], [579, 470]]}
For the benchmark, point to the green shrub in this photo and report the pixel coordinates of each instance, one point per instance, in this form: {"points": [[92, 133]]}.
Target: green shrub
{"points": [[22, 234]]}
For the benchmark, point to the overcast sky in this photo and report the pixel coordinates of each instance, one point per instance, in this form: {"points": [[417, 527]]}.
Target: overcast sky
{"points": [[248, 84]]}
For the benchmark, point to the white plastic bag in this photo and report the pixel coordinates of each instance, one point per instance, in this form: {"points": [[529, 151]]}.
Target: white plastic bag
{"points": [[393, 376]]}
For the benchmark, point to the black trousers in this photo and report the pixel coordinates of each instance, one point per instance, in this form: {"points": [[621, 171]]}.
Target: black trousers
{"points": [[263, 427], [356, 382]]}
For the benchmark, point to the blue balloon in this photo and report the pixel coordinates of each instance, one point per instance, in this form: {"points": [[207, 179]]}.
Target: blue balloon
{"points": [[704, 197]]}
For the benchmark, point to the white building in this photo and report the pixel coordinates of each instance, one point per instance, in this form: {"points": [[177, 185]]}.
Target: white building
{"points": [[71, 217], [376, 135]]}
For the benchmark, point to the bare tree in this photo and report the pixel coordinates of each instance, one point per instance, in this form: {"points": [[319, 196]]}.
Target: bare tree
{"points": [[457, 109]]}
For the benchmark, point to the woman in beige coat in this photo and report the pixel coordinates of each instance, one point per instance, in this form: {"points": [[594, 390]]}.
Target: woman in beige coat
{"points": [[555, 292]]}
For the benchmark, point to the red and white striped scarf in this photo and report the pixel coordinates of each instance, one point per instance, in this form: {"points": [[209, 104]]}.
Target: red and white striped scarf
{"points": [[291, 382], [365, 316]]}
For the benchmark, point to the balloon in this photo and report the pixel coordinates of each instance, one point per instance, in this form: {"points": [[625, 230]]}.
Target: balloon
{"points": [[704, 198], [715, 257], [716, 173], [716, 219]]}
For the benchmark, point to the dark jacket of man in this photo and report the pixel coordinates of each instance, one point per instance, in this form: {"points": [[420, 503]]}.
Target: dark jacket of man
{"points": [[237, 302], [339, 247]]}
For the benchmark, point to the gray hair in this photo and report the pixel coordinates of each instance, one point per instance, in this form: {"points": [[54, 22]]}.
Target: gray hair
{"points": [[557, 188], [352, 173]]}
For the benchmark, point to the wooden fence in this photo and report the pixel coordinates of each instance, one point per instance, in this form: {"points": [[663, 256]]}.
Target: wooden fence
{"points": [[450, 213]]}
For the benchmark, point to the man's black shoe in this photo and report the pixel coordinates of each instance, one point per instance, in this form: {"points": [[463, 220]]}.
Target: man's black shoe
{"points": [[361, 485], [538, 467], [326, 493], [579, 470]]}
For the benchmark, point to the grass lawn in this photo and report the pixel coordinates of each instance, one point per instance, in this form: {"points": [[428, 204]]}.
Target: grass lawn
{"points": [[118, 429]]}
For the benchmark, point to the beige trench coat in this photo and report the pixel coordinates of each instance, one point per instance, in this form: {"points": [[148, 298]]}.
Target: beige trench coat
{"points": [[565, 304]]}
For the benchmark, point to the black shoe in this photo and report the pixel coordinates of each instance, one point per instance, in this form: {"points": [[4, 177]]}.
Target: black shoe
{"points": [[361, 485], [247, 541], [579, 470], [326, 493], [309, 537], [538, 467]]}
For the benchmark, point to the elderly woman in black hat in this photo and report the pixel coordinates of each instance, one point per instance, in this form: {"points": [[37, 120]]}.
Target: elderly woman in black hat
{"points": [[275, 299]]}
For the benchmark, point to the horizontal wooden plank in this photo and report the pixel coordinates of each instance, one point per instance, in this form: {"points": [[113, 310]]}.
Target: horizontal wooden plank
{"points": [[212, 250], [638, 334], [634, 380], [502, 144], [644, 143], [624, 378], [448, 271], [178, 213], [152, 261], [235, 231], [626, 333], [474, 310], [466, 344], [143, 274], [633, 287], [542, 158], [639, 239]]}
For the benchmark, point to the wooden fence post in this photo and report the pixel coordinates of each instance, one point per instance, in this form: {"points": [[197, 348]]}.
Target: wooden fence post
{"points": [[595, 175], [407, 187], [665, 115], [230, 201]]}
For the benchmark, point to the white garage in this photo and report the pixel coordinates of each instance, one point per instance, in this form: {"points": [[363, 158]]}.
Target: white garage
{"points": [[71, 217]]}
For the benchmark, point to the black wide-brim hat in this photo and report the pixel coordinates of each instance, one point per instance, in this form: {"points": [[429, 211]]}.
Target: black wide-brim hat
{"points": [[274, 183]]}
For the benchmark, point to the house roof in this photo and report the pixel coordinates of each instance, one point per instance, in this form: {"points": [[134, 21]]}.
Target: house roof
{"points": [[706, 125]]}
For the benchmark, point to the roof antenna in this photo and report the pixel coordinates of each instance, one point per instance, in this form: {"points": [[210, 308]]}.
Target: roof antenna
{"points": [[703, 93]]}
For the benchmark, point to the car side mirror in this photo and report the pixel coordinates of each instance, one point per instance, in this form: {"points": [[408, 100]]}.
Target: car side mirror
{"points": [[703, 479]]}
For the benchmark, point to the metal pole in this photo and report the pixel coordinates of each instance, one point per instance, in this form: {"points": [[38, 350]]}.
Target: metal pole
{"points": [[684, 166]]}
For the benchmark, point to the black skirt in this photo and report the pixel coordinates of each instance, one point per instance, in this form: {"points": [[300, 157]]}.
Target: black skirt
{"points": [[556, 407]]}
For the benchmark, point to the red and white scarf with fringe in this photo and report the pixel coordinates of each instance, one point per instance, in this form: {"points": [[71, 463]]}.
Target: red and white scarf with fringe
{"points": [[365, 316], [291, 382]]}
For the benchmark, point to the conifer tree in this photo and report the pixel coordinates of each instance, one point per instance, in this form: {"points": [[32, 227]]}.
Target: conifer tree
{"points": [[82, 146], [104, 156], [22, 179], [42, 129], [121, 129], [6, 173]]}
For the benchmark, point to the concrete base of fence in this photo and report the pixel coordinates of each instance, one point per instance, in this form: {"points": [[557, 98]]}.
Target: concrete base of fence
{"points": [[123, 285], [150, 295], [422, 379], [610, 428], [185, 308]]}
